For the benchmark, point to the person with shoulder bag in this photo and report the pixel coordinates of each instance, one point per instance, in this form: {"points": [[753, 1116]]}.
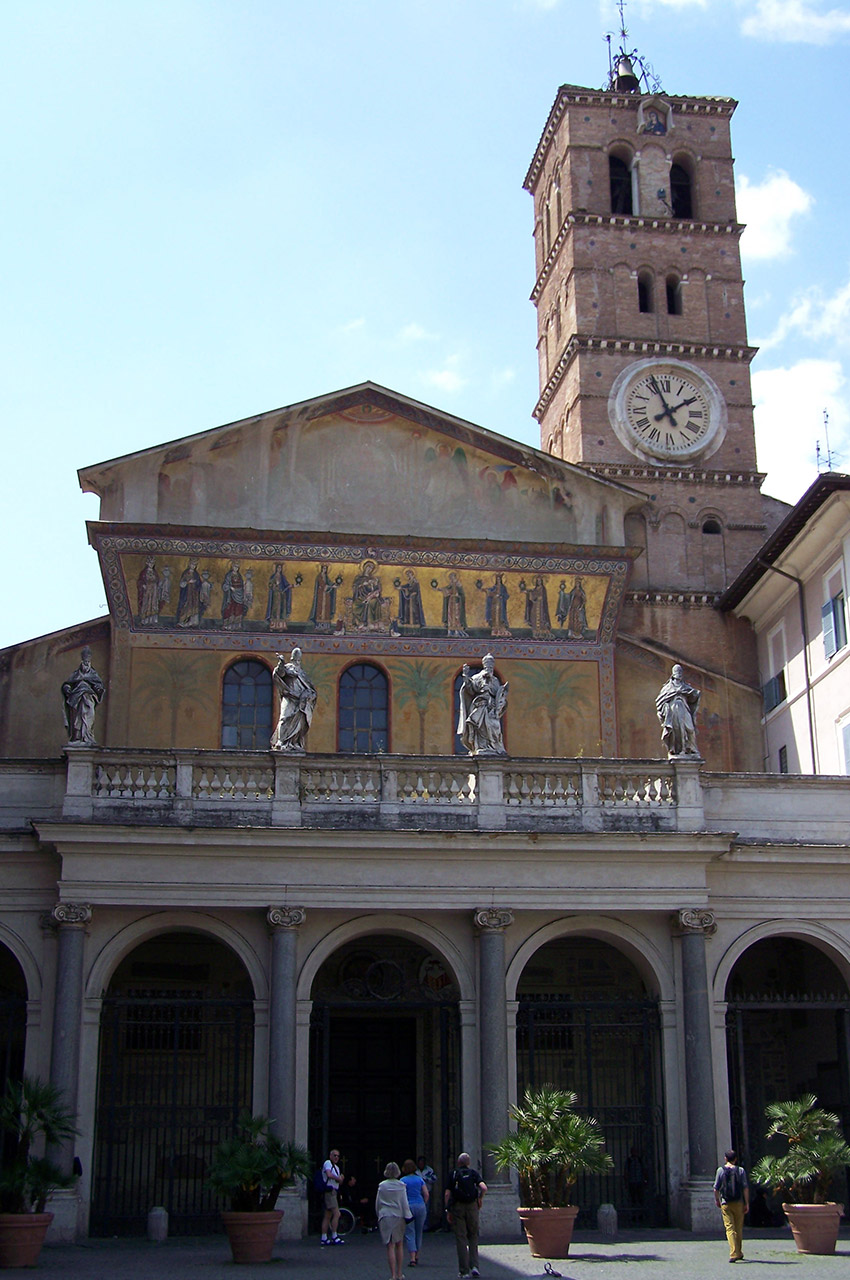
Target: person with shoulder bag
{"points": [[463, 1197], [732, 1197]]}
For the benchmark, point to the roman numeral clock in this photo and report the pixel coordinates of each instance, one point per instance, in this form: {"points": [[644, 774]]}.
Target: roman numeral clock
{"points": [[667, 410]]}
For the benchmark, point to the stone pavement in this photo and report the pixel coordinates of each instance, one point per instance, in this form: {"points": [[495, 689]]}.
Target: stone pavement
{"points": [[659, 1255]]}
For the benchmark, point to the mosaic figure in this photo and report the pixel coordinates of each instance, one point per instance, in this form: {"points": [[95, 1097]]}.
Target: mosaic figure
{"points": [[367, 603], [537, 609], [279, 604], [454, 605], [483, 699], [233, 606], [189, 600], [411, 613], [496, 607], [571, 611], [324, 601], [297, 702], [81, 693], [676, 707], [148, 593]]}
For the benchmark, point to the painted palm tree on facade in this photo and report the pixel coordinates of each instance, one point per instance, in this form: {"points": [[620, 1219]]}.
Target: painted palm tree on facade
{"points": [[173, 681], [421, 683], [558, 689]]}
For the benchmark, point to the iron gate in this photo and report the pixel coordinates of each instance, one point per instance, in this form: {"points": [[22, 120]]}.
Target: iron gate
{"points": [[174, 1073], [609, 1053], [13, 1030]]}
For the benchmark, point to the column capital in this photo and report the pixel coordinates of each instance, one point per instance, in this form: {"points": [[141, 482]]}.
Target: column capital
{"points": [[695, 920], [286, 917], [75, 914], [492, 919]]}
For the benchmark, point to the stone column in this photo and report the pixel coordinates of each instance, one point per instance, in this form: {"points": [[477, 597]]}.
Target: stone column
{"points": [[284, 923], [71, 920], [694, 926], [493, 1045]]}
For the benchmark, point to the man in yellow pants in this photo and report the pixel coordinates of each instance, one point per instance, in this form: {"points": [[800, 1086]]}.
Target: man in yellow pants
{"points": [[732, 1197]]}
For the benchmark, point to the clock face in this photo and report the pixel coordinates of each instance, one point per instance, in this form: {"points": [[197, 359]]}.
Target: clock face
{"points": [[668, 410]]}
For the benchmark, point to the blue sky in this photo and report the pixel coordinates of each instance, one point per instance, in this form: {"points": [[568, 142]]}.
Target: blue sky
{"points": [[212, 209]]}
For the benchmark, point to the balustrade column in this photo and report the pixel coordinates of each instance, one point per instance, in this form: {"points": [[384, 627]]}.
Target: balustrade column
{"points": [[493, 1034], [71, 920], [284, 923], [695, 926]]}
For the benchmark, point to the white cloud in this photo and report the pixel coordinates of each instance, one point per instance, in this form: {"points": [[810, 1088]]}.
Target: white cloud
{"points": [[790, 403], [502, 378], [795, 21], [415, 333], [353, 325], [448, 378], [768, 208], [816, 316]]}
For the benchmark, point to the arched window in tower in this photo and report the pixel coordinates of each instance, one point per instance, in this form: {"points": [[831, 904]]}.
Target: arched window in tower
{"points": [[674, 296], [713, 555], [621, 186], [558, 207], [646, 298], [363, 710], [246, 706], [681, 192]]}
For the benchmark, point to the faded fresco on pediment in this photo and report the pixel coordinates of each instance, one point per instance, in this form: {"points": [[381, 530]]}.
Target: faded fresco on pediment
{"points": [[358, 469]]}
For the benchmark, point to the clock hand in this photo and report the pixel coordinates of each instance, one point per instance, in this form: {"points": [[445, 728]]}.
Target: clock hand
{"points": [[666, 412], [682, 403]]}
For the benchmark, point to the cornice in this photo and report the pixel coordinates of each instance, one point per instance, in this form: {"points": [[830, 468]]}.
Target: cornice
{"points": [[637, 347], [692, 475], [672, 226], [692, 599], [576, 95]]}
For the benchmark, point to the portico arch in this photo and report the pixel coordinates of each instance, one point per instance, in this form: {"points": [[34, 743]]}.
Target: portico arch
{"points": [[588, 1020], [787, 999], [13, 1017]]}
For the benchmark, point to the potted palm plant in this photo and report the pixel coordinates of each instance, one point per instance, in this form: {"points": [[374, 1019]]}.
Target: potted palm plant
{"points": [[551, 1146], [31, 1116], [816, 1154], [251, 1169]]}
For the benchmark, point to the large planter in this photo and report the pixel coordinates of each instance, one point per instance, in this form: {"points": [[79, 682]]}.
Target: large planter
{"points": [[252, 1235], [21, 1238], [549, 1231], [814, 1226]]}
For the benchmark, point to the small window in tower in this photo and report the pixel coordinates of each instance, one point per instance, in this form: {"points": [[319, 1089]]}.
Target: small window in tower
{"points": [[621, 186], [711, 526], [681, 193], [674, 296], [646, 301]]}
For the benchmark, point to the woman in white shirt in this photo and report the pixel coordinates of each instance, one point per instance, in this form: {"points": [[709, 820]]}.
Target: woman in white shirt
{"points": [[393, 1212]]}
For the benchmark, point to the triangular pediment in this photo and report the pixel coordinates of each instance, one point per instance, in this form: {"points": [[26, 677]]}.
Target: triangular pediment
{"points": [[360, 458]]}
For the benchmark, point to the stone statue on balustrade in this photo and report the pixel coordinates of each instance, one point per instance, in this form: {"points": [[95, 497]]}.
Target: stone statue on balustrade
{"points": [[676, 706], [483, 699], [297, 702], [81, 693]]}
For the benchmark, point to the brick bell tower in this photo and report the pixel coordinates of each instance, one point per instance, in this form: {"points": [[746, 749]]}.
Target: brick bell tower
{"points": [[642, 336]]}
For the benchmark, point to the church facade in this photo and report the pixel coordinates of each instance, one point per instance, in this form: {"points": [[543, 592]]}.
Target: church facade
{"points": [[382, 941]]}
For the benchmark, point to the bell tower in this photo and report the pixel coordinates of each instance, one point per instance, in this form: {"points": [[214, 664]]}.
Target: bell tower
{"points": [[642, 337]]}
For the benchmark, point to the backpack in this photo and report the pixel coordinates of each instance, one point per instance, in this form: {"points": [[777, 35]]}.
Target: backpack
{"points": [[464, 1185], [732, 1185]]}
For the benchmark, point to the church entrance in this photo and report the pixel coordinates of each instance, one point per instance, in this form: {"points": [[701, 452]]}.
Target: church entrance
{"points": [[384, 1060], [175, 1070], [587, 1022], [13, 1018], [787, 1033]]}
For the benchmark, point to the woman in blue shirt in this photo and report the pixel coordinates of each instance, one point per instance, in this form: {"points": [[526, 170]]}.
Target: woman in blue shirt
{"points": [[417, 1198]]}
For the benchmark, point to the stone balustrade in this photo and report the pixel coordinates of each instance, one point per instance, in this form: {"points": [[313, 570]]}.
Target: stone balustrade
{"points": [[198, 788]]}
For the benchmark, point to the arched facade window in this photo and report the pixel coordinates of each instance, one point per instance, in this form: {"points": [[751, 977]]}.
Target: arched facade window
{"points": [[246, 706], [681, 192], [621, 186], [674, 296], [646, 293], [363, 710]]}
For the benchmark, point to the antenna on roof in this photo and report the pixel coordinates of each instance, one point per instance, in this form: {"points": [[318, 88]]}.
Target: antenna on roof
{"points": [[628, 72], [825, 461]]}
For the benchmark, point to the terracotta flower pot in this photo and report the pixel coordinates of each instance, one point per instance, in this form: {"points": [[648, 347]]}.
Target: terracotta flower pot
{"points": [[814, 1226], [252, 1235], [21, 1238], [549, 1231]]}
